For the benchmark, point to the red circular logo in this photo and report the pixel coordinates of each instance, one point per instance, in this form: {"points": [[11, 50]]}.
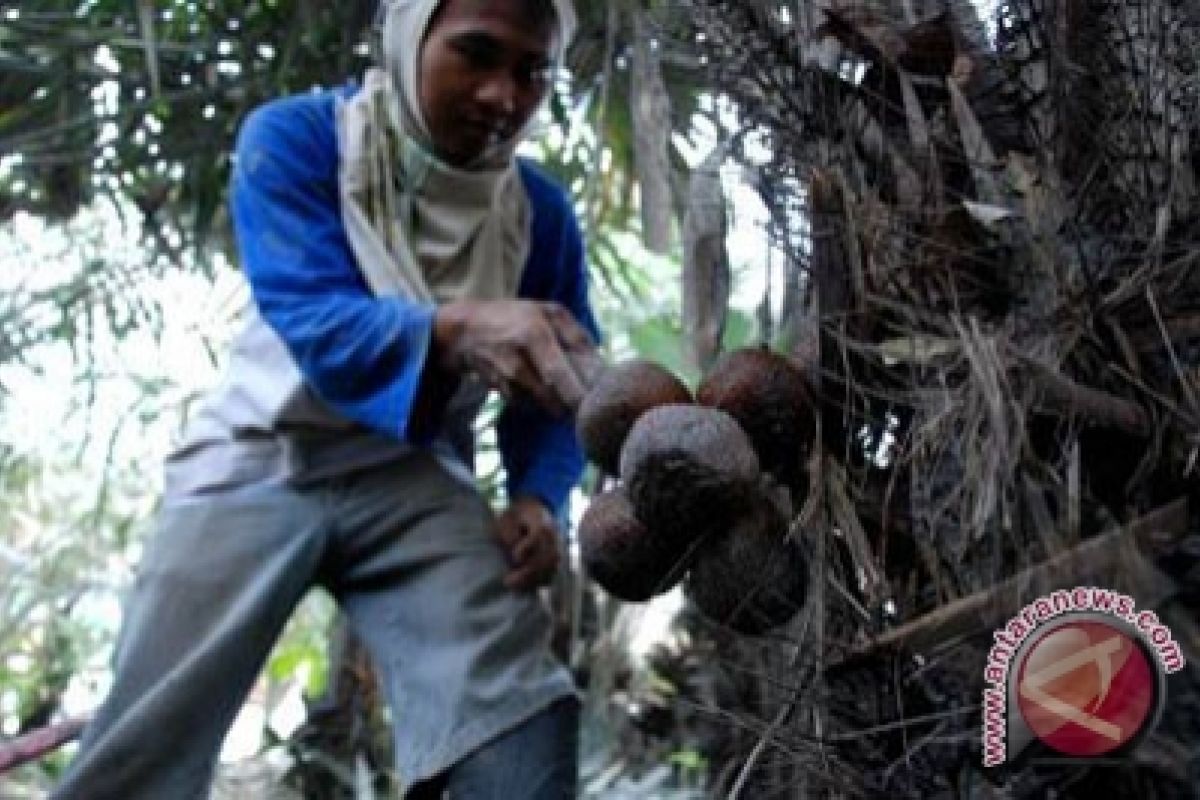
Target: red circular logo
{"points": [[1086, 688]]}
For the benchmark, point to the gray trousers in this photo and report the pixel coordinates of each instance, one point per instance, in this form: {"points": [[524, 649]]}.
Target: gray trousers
{"points": [[409, 553]]}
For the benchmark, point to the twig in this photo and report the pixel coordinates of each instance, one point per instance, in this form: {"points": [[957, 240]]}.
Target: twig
{"points": [[780, 718], [816, 617], [1100, 555], [1184, 383], [1061, 394], [901, 724], [1178, 328], [38, 743]]}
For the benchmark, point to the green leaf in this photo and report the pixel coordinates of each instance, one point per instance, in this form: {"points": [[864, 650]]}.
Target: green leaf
{"points": [[690, 760], [660, 339], [289, 656], [740, 330]]}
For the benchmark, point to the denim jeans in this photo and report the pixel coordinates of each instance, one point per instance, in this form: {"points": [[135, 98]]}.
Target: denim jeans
{"points": [[537, 760], [409, 553]]}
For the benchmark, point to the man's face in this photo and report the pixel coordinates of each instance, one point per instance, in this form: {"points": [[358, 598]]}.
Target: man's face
{"points": [[484, 70]]}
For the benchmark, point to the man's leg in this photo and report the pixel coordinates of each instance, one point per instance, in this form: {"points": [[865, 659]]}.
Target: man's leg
{"points": [[537, 760], [466, 662], [218, 582]]}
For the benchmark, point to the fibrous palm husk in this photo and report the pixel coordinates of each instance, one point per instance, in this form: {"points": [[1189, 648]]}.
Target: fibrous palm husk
{"points": [[998, 251]]}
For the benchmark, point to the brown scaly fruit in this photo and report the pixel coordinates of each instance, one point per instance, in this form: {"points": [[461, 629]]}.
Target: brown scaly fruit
{"points": [[621, 555], [621, 394], [689, 472], [751, 579], [769, 397]]}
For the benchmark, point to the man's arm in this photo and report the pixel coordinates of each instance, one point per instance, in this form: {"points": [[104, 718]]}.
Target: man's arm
{"points": [[363, 355], [541, 454], [387, 362]]}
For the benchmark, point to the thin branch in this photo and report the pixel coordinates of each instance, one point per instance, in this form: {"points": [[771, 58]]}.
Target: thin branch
{"points": [[39, 743], [1106, 555]]}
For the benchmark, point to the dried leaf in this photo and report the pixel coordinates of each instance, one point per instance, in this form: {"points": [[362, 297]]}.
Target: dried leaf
{"points": [[652, 131], [150, 45], [872, 582], [706, 274], [975, 144], [862, 31], [917, 349], [987, 215], [918, 126], [926, 48]]}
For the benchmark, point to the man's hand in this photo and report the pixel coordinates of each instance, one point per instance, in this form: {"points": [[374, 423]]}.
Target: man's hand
{"points": [[518, 347], [529, 536]]}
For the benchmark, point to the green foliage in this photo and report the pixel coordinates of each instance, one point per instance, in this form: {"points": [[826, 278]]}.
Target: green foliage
{"points": [[301, 650], [54, 579], [139, 102], [100, 100], [660, 338], [73, 283], [689, 761]]}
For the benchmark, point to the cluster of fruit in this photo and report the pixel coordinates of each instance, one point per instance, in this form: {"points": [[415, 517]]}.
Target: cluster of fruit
{"points": [[708, 486]]}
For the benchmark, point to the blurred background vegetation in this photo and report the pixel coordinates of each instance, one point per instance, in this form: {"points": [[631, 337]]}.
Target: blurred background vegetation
{"points": [[120, 293], [975, 223]]}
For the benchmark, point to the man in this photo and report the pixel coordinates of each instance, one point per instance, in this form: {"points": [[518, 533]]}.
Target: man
{"points": [[402, 262]]}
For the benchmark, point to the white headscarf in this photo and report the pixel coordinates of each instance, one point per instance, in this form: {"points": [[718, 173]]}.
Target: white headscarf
{"points": [[419, 227]]}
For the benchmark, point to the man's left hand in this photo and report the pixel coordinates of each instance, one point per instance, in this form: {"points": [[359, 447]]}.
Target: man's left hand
{"points": [[529, 536]]}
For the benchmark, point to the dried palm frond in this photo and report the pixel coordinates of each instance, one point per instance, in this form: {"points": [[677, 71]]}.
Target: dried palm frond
{"points": [[995, 239]]}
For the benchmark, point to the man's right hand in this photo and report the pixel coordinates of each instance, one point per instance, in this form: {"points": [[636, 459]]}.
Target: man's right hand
{"points": [[519, 347]]}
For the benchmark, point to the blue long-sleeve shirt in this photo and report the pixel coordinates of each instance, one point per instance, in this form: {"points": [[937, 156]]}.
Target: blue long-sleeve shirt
{"points": [[363, 355]]}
